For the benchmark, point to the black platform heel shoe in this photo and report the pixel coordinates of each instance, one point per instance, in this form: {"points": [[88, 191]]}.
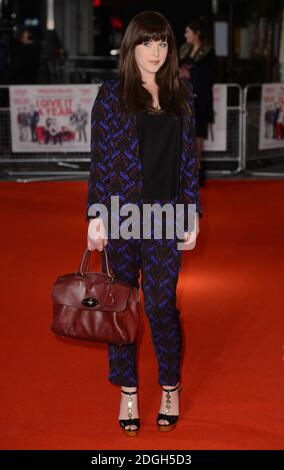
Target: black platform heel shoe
{"points": [[130, 421], [172, 419]]}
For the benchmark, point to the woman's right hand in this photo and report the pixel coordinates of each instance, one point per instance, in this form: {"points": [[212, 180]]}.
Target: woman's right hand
{"points": [[96, 238]]}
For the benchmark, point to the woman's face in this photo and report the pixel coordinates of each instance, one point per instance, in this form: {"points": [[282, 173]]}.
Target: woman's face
{"points": [[190, 35], [151, 55]]}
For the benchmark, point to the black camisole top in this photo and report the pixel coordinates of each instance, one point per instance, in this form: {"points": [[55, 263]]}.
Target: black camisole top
{"points": [[160, 147]]}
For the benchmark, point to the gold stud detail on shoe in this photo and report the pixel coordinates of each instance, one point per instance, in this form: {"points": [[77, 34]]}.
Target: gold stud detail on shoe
{"points": [[168, 401], [130, 405]]}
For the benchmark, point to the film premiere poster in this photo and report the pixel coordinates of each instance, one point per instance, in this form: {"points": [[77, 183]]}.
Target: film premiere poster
{"points": [[217, 133], [51, 118], [271, 133]]}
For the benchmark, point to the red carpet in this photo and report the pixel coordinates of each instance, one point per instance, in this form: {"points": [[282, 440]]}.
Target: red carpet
{"points": [[55, 393]]}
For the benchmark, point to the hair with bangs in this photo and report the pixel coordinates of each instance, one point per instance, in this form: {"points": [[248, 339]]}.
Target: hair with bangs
{"points": [[173, 95]]}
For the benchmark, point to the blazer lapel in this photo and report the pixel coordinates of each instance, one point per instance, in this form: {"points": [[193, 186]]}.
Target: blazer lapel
{"points": [[127, 164]]}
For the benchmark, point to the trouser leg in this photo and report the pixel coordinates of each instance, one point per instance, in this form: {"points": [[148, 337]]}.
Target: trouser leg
{"points": [[160, 266], [161, 263], [124, 259]]}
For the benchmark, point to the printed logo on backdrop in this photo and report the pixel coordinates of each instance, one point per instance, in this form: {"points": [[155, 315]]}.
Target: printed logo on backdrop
{"points": [[53, 118], [271, 133], [217, 133]]}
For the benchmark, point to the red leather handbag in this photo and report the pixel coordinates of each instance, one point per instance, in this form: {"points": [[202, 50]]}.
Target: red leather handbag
{"points": [[94, 306]]}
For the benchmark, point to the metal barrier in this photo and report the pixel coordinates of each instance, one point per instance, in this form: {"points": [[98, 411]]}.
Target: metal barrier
{"points": [[251, 130], [243, 119], [54, 166], [243, 127], [51, 165], [22, 166], [231, 160]]}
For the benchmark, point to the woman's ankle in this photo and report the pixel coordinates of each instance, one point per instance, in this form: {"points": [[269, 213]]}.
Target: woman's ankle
{"points": [[128, 389], [170, 387], [128, 403]]}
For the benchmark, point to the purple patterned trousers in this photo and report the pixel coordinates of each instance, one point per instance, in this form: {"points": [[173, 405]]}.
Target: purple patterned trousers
{"points": [[160, 262]]}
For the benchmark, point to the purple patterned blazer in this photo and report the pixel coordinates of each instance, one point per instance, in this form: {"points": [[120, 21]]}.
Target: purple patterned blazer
{"points": [[116, 166]]}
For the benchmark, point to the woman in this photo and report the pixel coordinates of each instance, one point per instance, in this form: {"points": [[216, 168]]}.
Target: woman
{"points": [[143, 150], [197, 59]]}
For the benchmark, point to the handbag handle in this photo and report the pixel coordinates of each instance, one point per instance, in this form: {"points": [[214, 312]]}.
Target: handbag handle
{"points": [[85, 263]]}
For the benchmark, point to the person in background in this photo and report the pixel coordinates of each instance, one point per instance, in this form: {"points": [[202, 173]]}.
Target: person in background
{"points": [[4, 53], [197, 61], [25, 60]]}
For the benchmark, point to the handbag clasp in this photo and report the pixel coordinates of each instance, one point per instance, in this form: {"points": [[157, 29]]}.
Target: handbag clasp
{"points": [[90, 302]]}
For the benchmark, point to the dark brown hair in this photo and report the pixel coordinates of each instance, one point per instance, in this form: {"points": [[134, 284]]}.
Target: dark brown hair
{"points": [[173, 95], [201, 25]]}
